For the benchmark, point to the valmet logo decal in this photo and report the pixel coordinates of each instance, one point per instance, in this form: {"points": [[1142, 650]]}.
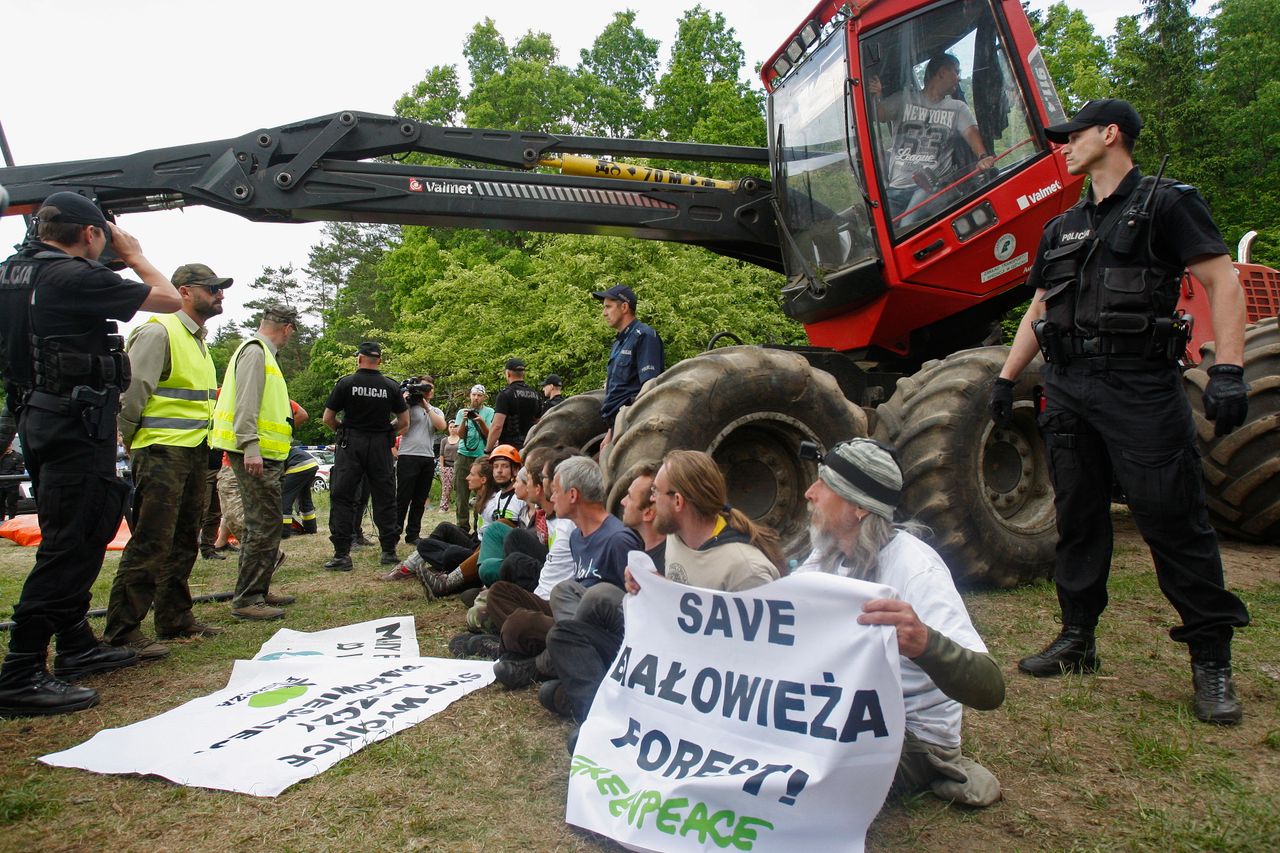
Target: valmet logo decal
{"points": [[1025, 201], [418, 185]]}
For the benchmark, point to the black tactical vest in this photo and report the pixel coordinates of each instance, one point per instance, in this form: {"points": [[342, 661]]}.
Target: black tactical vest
{"points": [[1098, 281]]}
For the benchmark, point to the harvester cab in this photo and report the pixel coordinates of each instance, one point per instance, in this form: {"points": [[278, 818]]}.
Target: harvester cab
{"points": [[911, 171]]}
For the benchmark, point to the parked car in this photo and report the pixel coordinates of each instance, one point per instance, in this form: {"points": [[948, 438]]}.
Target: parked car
{"points": [[324, 456]]}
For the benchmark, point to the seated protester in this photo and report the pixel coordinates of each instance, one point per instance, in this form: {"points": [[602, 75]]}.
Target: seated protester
{"points": [[707, 545], [448, 545], [525, 578], [944, 662], [599, 546]]}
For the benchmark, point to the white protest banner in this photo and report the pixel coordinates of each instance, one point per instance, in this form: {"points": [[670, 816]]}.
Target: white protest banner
{"points": [[762, 720], [285, 720]]}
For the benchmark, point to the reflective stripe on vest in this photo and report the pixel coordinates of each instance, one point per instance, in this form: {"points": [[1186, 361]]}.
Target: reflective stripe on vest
{"points": [[179, 412], [274, 431]]}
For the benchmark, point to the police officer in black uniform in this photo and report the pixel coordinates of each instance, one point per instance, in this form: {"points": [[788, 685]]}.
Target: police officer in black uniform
{"points": [[374, 412], [515, 410], [64, 368], [1106, 279]]}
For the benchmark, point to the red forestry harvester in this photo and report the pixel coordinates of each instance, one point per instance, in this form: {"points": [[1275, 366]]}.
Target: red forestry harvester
{"points": [[911, 180]]}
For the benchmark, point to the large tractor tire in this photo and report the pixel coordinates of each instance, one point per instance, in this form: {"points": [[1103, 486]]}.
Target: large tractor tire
{"points": [[984, 492], [575, 423], [1242, 470], [750, 408]]}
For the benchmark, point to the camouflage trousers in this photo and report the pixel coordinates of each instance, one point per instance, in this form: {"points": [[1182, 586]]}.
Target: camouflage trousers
{"points": [[169, 500], [260, 546], [232, 506]]}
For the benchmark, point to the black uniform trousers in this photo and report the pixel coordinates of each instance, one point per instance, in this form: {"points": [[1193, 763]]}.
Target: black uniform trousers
{"points": [[80, 502], [413, 487], [1135, 424], [362, 455]]}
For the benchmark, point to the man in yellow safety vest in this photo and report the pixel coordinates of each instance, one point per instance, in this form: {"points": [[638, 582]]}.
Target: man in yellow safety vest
{"points": [[252, 422], [164, 420]]}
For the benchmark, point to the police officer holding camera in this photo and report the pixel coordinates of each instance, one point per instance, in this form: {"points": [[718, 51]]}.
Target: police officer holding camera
{"points": [[1106, 281], [64, 368], [416, 460], [374, 412]]}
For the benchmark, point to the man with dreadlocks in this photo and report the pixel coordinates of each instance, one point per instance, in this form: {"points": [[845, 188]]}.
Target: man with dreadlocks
{"points": [[944, 662]]}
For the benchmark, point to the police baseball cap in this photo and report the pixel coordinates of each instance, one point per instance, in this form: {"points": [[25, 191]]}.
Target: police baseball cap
{"points": [[278, 313], [189, 274], [1099, 113], [515, 365], [71, 208], [553, 379], [620, 293], [370, 348]]}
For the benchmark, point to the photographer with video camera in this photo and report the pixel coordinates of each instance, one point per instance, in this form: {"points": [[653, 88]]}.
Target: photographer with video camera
{"points": [[416, 462]]}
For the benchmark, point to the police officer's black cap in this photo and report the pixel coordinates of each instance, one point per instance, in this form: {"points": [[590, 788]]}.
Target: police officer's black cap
{"points": [[553, 379], [370, 348], [1099, 113], [618, 293], [71, 208], [516, 365]]}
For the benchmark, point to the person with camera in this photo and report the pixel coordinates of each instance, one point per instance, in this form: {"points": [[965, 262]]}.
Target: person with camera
{"points": [[374, 411], [64, 368], [416, 462], [473, 422]]}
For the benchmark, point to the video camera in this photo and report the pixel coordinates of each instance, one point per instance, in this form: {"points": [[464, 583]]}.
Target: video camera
{"points": [[414, 390]]}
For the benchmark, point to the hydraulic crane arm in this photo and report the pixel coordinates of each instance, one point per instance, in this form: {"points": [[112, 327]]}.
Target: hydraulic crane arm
{"points": [[322, 170]]}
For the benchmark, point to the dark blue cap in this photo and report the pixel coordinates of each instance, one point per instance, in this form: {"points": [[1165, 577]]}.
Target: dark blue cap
{"points": [[72, 208], [620, 293]]}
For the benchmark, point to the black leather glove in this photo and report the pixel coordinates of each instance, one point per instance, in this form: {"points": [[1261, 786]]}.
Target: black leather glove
{"points": [[1002, 402], [1226, 398]]}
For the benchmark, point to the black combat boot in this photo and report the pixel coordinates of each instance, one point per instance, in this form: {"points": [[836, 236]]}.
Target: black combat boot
{"points": [[1074, 650], [80, 653], [27, 689], [1215, 700]]}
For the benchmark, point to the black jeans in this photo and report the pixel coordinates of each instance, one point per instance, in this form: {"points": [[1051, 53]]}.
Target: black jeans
{"points": [[413, 487], [362, 455], [1135, 425]]}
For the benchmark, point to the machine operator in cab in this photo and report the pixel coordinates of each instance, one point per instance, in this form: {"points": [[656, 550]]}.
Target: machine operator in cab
{"points": [[1106, 280]]}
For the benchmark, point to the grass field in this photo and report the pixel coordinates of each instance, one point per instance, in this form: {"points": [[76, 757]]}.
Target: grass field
{"points": [[1114, 761]]}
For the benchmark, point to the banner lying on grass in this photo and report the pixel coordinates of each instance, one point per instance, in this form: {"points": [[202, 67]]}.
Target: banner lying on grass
{"points": [[281, 721], [764, 720]]}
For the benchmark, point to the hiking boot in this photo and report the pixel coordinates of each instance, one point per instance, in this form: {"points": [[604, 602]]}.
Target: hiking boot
{"points": [[1215, 700], [438, 584], [146, 648], [1074, 650], [399, 573], [389, 558], [469, 645], [27, 689], [361, 541], [194, 631], [257, 612], [339, 563], [278, 600], [515, 672], [211, 554], [555, 698], [230, 546]]}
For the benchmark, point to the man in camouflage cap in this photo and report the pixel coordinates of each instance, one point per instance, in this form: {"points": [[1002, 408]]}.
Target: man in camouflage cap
{"points": [[164, 423], [253, 423]]}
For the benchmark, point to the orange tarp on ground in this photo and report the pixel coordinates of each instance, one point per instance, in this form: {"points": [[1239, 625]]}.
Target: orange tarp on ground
{"points": [[25, 530]]}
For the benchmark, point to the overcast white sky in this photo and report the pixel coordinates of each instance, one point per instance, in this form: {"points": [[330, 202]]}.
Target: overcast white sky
{"points": [[87, 78]]}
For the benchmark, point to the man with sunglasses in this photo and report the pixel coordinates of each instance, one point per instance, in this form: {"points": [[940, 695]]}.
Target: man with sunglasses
{"points": [[64, 368], [164, 423]]}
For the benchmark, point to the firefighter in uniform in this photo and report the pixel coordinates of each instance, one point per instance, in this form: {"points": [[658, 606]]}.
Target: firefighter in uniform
{"points": [[64, 368], [1106, 282], [164, 423], [374, 412], [253, 423]]}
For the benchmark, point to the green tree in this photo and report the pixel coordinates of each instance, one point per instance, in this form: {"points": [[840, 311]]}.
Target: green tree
{"points": [[1077, 56], [617, 75]]}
